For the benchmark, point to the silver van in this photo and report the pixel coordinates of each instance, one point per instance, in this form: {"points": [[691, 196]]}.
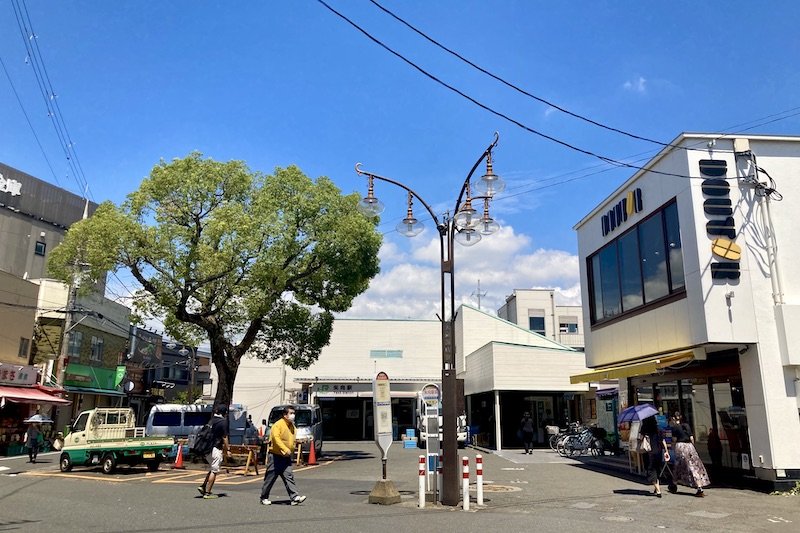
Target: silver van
{"points": [[182, 421], [308, 421]]}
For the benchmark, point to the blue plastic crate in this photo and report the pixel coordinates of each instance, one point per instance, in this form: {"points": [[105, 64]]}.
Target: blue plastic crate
{"points": [[411, 432], [409, 444]]}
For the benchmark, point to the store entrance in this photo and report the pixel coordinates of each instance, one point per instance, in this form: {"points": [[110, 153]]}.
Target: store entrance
{"points": [[352, 418], [714, 407]]}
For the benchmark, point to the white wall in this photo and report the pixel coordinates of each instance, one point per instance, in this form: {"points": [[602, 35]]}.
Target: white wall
{"points": [[474, 329], [706, 316], [504, 366], [258, 384]]}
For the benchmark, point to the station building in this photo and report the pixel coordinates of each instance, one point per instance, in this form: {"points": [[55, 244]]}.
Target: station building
{"points": [[689, 281], [506, 369]]}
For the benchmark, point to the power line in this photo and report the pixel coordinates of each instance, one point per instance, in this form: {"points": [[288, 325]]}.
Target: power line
{"points": [[30, 125], [499, 114], [35, 59], [71, 144], [519, 89]]}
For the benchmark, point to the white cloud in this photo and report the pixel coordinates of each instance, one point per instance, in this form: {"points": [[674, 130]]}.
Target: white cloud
{"points": [[638, 85], [502, 262]]}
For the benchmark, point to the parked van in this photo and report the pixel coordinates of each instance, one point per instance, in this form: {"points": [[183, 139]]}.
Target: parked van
{"points": [[181, 421], [308, 421]]}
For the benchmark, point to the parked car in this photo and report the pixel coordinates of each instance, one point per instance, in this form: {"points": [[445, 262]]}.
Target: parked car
{"points": [[182, 421], [308, 421]]}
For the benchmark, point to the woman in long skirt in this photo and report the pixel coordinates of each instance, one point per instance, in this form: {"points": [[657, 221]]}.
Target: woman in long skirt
{"points": [[689, 469]]}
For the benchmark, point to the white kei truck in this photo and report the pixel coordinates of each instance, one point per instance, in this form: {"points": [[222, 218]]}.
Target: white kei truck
{"points": [[109, 437]]}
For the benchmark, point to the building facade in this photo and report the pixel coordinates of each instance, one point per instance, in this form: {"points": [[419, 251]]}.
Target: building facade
{"points": [[688, 274], [536, 310], [505, 370]]}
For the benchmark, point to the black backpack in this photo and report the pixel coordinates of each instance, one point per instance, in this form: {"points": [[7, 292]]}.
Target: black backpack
{"points": [[204, 440]]}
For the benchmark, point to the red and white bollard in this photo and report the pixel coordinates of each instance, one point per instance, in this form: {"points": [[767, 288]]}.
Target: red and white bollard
{"points": [[465, 481], [479, 477], [421, 481], [439, 478]]}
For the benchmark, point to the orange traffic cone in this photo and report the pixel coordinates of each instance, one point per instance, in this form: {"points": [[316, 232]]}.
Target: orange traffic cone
{"points": [[312, 453], [179, 459]]}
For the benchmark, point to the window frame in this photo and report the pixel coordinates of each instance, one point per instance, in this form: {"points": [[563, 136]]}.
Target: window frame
{"points": [[673, 293], [24, 348], [40, 248]]}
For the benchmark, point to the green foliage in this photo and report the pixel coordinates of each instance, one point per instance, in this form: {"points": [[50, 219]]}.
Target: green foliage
{"points": [[794, 491], [256, 263]]}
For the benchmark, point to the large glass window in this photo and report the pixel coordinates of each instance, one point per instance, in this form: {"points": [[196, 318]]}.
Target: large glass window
{"points": [[596, 285], [674, 246], [639, 267], [654, 258], [631, 271], [609, 274]]}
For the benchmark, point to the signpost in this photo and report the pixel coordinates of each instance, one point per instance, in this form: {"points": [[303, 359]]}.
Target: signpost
{"points": [[384, 491], [432, 405]]}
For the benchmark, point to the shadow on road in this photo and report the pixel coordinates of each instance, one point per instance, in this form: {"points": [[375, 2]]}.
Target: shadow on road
{"points": [[633, 492], [352, 455]]}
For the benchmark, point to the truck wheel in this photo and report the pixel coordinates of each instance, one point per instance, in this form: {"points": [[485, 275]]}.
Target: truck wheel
{"points": [[109, 463], [152, 466], [65, 463]]}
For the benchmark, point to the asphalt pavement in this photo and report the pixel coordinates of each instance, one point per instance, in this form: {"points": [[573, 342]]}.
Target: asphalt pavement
{"points": [[540, 492]]}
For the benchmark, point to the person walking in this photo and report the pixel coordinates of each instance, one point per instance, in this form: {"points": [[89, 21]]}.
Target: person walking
{"points": [[689, 469], [526, 428], [32, 437], [219, 430], [654, 457], [281, 450]]}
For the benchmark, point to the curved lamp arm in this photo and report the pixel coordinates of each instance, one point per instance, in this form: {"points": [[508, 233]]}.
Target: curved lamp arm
{"points": [[474, 168], [402, 186]]}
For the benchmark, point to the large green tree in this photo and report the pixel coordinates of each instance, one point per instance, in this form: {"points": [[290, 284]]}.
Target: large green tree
{"points": [[254, 263]]}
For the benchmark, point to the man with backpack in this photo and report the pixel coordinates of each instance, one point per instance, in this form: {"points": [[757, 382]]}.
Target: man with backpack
{"points": [[213, 435]]}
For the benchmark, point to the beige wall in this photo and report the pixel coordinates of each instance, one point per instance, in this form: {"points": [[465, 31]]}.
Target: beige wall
{"points": [[17, 316]]}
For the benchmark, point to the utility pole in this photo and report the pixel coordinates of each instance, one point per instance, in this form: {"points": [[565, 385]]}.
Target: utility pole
{"points": [[478, 293], [65, 333]]}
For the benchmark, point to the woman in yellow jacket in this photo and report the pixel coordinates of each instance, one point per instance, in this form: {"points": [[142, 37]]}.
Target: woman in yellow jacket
{"points": [[281, 449]]}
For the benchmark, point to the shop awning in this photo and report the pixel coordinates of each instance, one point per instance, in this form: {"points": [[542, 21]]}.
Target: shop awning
{"points": [[29, 395], [638, 368], [94, 390]]}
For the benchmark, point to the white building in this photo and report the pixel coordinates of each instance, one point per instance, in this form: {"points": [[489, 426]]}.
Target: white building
{"points": [[536, 310], [506, 370], [689, 293]]}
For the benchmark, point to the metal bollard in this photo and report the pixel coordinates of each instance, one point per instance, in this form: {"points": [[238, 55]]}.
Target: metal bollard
{"points": [[465, 481], [421, 481], [479, 477]]}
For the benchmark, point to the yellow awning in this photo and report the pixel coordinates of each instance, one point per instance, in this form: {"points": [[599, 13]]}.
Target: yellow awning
{"points": [[638, 368]]}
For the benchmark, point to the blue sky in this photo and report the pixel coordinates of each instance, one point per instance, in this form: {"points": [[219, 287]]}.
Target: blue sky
{"points": [[288, 82]]}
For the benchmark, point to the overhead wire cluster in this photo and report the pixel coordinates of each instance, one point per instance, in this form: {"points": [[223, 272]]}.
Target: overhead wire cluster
{"points": [[49, 96], [608, 163]]}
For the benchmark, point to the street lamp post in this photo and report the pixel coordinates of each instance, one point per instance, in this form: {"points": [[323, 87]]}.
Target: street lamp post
{"points": [[466, 226]]}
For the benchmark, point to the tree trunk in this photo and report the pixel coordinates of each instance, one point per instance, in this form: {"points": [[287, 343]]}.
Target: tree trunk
{"points": [[226, 376]]}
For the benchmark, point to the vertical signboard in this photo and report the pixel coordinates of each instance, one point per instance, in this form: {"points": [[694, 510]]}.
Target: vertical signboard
{"points": [[382, 409]]}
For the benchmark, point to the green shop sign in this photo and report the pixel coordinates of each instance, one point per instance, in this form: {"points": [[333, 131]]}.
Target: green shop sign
{"points": [[92, 377]]}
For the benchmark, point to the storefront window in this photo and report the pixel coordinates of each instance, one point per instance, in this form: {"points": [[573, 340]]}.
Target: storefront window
{"points": [[674, 246], [630, 268], [654, 261], [639, 267], [610, 281], [597, 291]]}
